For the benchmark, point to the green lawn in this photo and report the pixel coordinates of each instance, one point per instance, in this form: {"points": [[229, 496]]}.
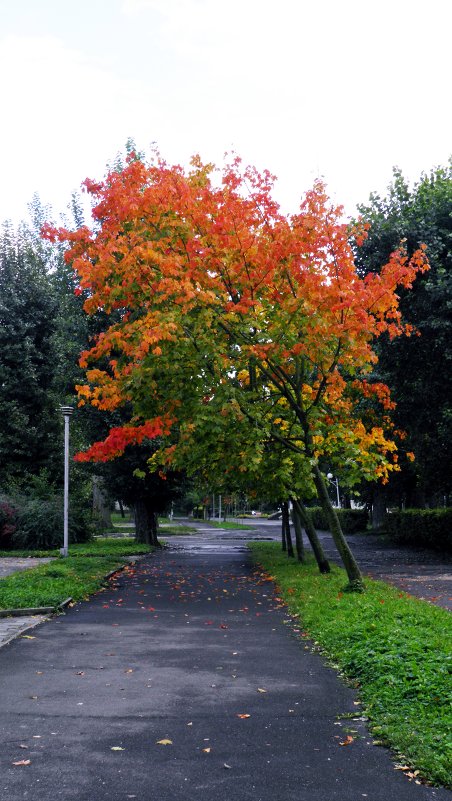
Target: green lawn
{"points": [[77, 576], [227, 524], [101, 546], [167, 529], [397, 650]]}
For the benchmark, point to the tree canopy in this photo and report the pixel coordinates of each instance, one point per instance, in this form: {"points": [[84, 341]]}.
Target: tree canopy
{"points": [[227, 308]]}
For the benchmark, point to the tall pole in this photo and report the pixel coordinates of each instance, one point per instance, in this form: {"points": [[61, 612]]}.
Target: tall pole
{"points": [[219, 507], [338, 496], [66, 411]]}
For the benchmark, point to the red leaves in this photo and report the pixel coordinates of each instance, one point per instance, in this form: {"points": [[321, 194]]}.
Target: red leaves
{"points": [[119, 438]]}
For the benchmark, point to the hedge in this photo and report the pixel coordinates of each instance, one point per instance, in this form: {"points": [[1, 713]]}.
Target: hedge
{"points": [[28, 523], [429, 527], [352, 520]]}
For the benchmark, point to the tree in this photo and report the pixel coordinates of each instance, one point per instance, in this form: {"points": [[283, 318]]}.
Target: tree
{"points": [[418, 369], [224, 301], [28, 419]]}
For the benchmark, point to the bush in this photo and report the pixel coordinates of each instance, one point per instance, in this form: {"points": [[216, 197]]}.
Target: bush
{"points": [[429, 527], [8, 523], [351, 520], [40, 523]]}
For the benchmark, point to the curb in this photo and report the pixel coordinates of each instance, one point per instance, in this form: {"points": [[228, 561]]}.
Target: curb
{"points": [[35, 610]]}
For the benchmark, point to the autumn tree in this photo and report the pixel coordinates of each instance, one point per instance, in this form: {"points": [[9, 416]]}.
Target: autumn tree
{"points": [[225, 302]]}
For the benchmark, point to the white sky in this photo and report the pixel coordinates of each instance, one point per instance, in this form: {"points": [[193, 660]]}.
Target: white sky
{"points": [[340, 88]]}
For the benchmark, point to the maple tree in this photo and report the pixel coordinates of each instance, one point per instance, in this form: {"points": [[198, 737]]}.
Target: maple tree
{"points": [[229, 308]]}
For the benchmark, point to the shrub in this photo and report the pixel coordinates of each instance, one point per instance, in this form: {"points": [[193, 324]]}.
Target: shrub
{"points": [[8, 523], [428, 527], [351, 520], [40, 523]]}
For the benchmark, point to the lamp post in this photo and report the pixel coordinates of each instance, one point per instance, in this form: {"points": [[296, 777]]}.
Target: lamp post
{"points": [[66, 411], [335, 482]]}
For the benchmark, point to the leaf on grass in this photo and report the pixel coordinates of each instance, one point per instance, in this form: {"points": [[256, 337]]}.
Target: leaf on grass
{"points": [[164, 742], [23, 762]]}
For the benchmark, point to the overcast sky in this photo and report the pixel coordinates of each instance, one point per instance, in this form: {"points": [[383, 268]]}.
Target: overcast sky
{"points": [[344, 89]]}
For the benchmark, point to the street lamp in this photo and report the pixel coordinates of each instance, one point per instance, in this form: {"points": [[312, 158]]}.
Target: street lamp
{"points": [[335, 482], [66, 411]]}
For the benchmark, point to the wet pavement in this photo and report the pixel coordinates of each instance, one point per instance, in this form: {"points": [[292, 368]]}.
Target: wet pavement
{"points": [[185, 679]]}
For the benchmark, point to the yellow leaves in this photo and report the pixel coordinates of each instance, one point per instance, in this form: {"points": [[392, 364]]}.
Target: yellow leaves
{"points": [[164, 742]]}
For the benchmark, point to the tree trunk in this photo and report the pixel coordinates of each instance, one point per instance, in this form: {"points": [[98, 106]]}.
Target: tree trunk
{"points": [[146, 523], [311, 533], [286, 526], [378, 508], [355, 579], [101, 504], [283, 534], [301, 556]]}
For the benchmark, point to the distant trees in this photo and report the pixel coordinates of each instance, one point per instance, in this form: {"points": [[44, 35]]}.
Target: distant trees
{"points": [[28, 324], [418, 369]]}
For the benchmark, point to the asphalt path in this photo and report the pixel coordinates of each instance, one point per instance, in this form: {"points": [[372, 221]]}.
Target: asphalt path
{"points": [[186, 679]]}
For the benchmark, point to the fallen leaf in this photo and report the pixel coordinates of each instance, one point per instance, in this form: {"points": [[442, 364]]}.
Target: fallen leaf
{"points": [[348, 740], [164, 742], [27, 637], [242, 716], [23, 762], [117, 748], [228, 767], [261, 690], [130, 670], [23, 746], [207, 750]]}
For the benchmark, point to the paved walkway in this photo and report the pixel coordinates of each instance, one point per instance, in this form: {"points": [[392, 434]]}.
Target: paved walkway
{"points": [[14, 564], [184, 680]]}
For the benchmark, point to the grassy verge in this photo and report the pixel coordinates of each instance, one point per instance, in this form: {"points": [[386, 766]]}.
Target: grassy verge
{"points": [[77, 576], [394, 648], [50, 584], [227, 524], [103, 546], [166, 530]]}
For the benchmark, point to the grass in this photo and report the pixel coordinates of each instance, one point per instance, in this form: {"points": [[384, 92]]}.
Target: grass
{"points": [[168, 530], [227, 524], [394, 648], [102, 546], [77, 576]]}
